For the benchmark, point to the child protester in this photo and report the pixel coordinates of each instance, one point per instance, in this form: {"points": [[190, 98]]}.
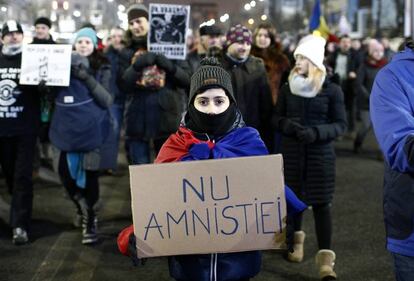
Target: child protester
{"points": [[213, 128]]}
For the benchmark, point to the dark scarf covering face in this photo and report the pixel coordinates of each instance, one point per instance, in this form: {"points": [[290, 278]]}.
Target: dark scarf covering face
{"points": [[212, 124]]}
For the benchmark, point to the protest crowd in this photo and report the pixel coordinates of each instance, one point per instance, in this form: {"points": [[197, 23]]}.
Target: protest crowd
{"points": [[232, 93]]}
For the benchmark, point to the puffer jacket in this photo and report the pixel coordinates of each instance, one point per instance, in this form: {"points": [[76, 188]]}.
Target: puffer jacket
{"points": [[309, 169], [392, 115]]}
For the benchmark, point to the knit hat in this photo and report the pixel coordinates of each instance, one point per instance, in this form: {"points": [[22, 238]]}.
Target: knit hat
{"points": [[89, 33], [313, 48], [210, 30], [209, 75], [11, 26], [238, 33], [43, 20], [137, 11]]}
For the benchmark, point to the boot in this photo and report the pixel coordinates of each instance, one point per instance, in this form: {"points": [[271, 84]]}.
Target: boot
{"points": [[325, 261], [89, 227], [298, 240]]}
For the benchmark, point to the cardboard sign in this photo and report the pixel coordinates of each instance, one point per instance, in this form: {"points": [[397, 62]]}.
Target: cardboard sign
{"points": [[168, 29], [210, 206], [46, 62]]}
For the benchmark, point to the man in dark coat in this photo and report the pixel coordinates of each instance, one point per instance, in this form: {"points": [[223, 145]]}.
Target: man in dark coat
{"points": [[42, 31], [249, 79], [343, 62], [210, 45], [42, 153], [153, 109]]}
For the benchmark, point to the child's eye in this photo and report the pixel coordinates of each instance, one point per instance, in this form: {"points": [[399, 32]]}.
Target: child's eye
{"points": [[202, 102]]}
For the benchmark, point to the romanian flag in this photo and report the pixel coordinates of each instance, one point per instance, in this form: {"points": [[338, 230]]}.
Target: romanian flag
{"points": [[317, 24]]}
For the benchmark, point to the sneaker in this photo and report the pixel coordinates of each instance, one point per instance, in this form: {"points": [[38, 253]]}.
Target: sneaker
{"points": [[20, 236], [90, 229]]}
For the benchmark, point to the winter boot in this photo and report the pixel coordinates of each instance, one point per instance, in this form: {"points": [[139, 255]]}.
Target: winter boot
{"points": [[89, 227], [298, 241], [325, 261]]}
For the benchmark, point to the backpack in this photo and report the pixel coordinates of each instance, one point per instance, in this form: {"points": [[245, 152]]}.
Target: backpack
{"points": [[79, 124]]}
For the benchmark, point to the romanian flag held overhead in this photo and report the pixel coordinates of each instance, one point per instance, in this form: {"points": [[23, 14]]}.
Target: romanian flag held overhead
{"points": [[317, 24]]}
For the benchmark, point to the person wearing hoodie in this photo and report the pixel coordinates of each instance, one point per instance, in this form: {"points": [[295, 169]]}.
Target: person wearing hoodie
{"points": [[310, 114], [19, 125], [80, 125], [213, 128], [392, 115], [152, 83], [367, 71]]}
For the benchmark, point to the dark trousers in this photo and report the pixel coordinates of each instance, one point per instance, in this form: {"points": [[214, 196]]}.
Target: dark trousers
{"points": [[91, 191], [323, 224], [404, 267], [16, 160]]}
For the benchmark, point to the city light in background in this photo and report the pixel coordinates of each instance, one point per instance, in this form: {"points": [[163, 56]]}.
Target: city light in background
{"points": [[363, 17]]}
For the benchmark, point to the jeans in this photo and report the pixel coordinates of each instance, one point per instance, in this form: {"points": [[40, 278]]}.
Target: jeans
{"points": [[139, 151], [404, 267]]}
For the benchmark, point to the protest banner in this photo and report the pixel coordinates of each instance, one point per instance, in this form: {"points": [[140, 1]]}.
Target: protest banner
{"points": [[209, 206], [46, 62], [168, 25]]}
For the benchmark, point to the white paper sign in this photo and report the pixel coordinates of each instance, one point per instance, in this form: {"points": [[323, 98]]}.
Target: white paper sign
{"points": [[46, 62], [168, 27]]}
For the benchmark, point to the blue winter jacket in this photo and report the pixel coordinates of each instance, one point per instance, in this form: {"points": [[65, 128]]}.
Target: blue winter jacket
{"points": [[392, 114]]}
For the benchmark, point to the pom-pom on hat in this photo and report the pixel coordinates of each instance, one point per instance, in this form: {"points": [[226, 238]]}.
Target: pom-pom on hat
{"points": [[11, 26], [238, 33], [43, 20], [313, 48], [209, 75], [136, 11], [89, 33]]}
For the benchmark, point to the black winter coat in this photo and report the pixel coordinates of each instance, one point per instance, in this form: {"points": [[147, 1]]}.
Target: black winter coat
{"points": [[309, 169], [365, 79], [253, 95], [150, 113]]}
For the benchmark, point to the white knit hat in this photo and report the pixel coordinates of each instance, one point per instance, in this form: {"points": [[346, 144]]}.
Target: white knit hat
{"points": [[313, 48]]}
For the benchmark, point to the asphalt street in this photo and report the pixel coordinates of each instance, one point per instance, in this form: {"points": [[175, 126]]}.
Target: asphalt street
{"points": [[56, 254]]}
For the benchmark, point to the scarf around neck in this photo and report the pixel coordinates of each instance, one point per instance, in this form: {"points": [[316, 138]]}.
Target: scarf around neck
{"points": [[11, 49], [302, 86]]}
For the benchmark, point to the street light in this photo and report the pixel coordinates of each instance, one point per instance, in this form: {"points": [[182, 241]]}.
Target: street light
{"points": [[121, 8]]}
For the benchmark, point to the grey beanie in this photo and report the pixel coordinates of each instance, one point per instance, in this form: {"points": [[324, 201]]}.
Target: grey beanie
{"points": [[209, 75]]}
